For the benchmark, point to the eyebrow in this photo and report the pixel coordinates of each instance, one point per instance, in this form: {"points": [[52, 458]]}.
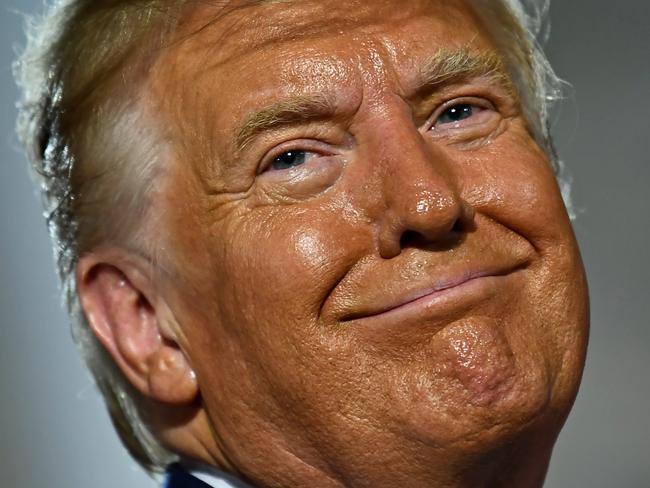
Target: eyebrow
{"points": [[444, 67], [294, 110], [448, 66]]}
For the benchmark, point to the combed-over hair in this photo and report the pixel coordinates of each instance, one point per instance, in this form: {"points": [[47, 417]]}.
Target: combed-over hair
{"points": [[96, 155]]}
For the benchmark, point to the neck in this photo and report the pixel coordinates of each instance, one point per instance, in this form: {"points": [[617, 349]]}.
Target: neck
{"points": [[520, 462], [513, 466]]}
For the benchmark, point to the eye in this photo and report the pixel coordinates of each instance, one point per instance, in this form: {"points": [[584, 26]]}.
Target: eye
{"points": [[457, 114], [464, 117], [290, 159]]}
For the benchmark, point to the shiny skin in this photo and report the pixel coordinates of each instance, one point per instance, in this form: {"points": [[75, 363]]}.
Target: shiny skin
{"points": [[406, 308]]}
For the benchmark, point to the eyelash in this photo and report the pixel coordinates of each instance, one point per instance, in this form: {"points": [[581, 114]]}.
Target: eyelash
{"points": [[295, 146], [481, 103]]}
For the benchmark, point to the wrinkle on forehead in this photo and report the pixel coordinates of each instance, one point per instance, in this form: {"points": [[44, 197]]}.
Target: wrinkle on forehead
{"points": [[277, 42], [275, 21]]}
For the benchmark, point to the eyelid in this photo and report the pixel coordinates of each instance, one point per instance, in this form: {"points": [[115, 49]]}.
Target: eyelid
{"points": [[296, 145], [473, 101]]}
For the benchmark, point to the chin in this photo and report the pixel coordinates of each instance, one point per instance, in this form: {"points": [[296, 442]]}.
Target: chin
{"points": [[479, 389]]}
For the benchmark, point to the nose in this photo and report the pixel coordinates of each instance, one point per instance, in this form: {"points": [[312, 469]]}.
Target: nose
{"points": [[421, 197]]}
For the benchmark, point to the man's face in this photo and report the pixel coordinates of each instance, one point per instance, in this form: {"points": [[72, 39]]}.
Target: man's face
{"points": [[374, 266]]}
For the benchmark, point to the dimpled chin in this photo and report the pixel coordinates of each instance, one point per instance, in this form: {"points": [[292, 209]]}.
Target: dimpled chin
{"points": [[478, 389], [479, 358]]}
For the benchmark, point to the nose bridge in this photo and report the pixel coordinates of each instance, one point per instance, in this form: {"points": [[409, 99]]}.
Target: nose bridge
{"points": [[417, 177], [418, 190]]}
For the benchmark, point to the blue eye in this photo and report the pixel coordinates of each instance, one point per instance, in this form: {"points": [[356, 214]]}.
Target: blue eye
{"points": [[289, 159], [457, 113]]}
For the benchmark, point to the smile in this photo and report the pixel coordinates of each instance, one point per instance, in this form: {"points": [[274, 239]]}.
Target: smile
{"points": [[443, 298]]}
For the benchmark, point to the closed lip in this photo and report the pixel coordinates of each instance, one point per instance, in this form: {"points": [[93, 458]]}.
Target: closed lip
{"points": [[467, 283]]}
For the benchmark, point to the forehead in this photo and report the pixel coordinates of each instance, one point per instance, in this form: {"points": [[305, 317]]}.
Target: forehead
{"points": [[228, 60], [254, 23], [217, 40]]}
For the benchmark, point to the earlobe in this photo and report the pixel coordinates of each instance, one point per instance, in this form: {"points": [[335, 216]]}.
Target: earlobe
{"points": [[170, 378], [116, 297]]}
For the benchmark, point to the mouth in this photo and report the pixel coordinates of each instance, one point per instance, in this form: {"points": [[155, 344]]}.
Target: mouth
{"points": [[442, 297]]}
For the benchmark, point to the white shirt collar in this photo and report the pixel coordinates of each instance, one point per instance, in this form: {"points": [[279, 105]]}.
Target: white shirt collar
{"points": [[216, 478]]}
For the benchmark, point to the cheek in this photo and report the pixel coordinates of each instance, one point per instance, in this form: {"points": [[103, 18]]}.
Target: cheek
{"points": [[284, 255], [310, 249], [272, 281], [511, 182]]}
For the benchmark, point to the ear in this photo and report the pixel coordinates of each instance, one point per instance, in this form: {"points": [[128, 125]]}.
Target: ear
{"points": [[134, 325]]}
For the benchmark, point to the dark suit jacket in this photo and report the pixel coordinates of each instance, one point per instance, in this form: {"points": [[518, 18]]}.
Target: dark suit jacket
{"points": [[177, 477]]}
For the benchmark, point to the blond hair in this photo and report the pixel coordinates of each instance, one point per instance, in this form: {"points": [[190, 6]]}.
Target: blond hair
{"points": [[97, 155]]}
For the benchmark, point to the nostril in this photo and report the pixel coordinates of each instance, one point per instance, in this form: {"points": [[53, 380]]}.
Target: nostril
{"points": [[459, 226], [465, 222], [411, 238], [440, 228], [456, 233]]}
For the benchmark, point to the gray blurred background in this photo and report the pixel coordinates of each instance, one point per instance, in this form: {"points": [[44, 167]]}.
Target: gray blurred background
{"points": [[54, 431]]}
